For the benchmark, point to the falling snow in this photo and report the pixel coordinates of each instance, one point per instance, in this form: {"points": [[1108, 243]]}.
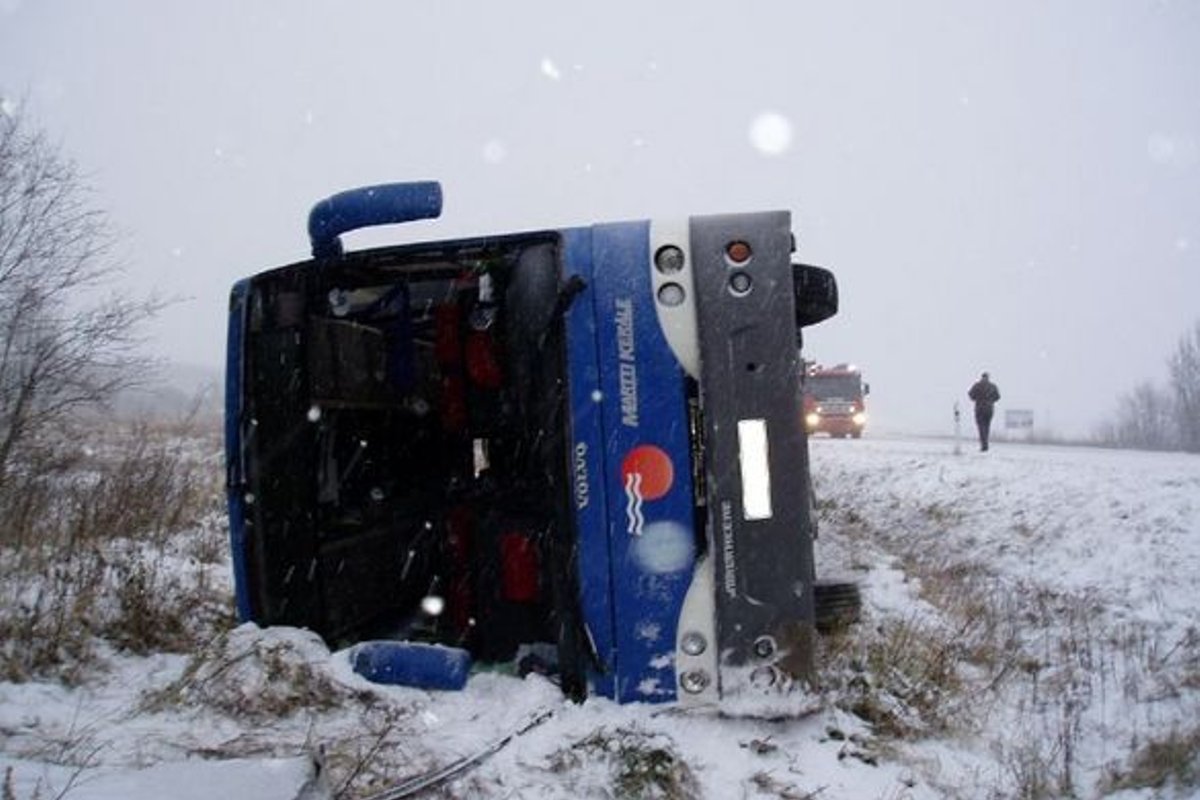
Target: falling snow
{"points": [[494, 151], [771, 133], [550, 70]]}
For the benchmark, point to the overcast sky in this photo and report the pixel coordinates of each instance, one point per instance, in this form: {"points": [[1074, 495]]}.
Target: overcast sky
{"points": [[1010, 186]]}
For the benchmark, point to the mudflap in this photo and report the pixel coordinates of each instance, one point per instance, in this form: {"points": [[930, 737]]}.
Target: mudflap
{"points": [[755, 465]]}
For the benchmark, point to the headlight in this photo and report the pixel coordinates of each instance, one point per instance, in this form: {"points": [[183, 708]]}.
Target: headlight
{"points": [[860, 419], [693, 643], [813, 419], [694, 682]]}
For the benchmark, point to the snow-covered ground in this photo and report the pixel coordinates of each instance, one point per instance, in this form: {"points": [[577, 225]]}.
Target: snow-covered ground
{"points": [[1083, 564], [1031, 622]]}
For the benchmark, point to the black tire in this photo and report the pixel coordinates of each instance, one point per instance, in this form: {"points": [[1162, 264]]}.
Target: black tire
{"points": [[838, 604]]}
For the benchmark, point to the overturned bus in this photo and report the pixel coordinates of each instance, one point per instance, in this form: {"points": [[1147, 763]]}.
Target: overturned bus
{"points": [[586, 439]]}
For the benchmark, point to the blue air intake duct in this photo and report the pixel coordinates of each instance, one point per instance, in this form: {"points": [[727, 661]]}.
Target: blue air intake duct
{"points": [[384, 204]]}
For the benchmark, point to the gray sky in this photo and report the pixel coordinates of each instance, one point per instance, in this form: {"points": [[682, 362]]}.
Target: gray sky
{"points": [[1010, 186]]}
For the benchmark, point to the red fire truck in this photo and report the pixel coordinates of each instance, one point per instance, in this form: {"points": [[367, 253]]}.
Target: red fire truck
{"points": [[834, 400]]}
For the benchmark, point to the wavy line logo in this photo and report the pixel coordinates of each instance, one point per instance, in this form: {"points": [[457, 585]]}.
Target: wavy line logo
{"points": [[633, 503], [647, 474]]}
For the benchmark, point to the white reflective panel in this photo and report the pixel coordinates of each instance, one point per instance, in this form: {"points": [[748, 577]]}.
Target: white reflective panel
{"points": [[756, 469]]}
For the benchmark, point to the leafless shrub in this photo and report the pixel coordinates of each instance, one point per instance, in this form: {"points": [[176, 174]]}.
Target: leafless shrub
{"points": [[942, 514], [9, 789], [643, 765], [163, 611], [1172, 757], [151, 487], [246, 674], [1031, 768], [983, 617], [377, 757], [77, 749], [1036, 647], [137, 482], [917, 665], [768, 784], [97, 553], [45, 619], [900, 676], [209, 539]]}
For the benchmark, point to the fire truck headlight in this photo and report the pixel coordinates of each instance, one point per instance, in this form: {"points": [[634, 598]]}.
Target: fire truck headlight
{"points": [[813, 419], [860, 419]]}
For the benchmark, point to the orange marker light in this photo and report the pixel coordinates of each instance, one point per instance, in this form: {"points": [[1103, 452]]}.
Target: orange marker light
{"points": [[738, 252]]}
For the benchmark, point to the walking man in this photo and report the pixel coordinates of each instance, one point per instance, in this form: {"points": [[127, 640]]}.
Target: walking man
{"points": [[984, 394]]}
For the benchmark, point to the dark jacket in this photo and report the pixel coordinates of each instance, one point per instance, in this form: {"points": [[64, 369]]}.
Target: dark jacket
{"points": [[985, 394]]}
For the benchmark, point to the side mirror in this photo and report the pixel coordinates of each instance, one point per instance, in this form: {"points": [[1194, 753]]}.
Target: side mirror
{"points": [[816, 294], [866, 389]]}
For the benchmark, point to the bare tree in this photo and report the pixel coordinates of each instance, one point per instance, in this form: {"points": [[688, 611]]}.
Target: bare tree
{"points": [[1185, 386], [1144, 420], [65, 344]]}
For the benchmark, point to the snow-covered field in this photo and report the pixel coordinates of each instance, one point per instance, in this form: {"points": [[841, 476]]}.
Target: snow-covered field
{"points": [[1031, 629]]}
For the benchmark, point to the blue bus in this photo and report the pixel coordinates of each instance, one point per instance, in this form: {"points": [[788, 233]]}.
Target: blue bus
{"points": [[585, 443]]}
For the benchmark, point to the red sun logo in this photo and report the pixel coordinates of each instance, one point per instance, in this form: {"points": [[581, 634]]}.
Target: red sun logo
{"points": [[653, 468]]}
